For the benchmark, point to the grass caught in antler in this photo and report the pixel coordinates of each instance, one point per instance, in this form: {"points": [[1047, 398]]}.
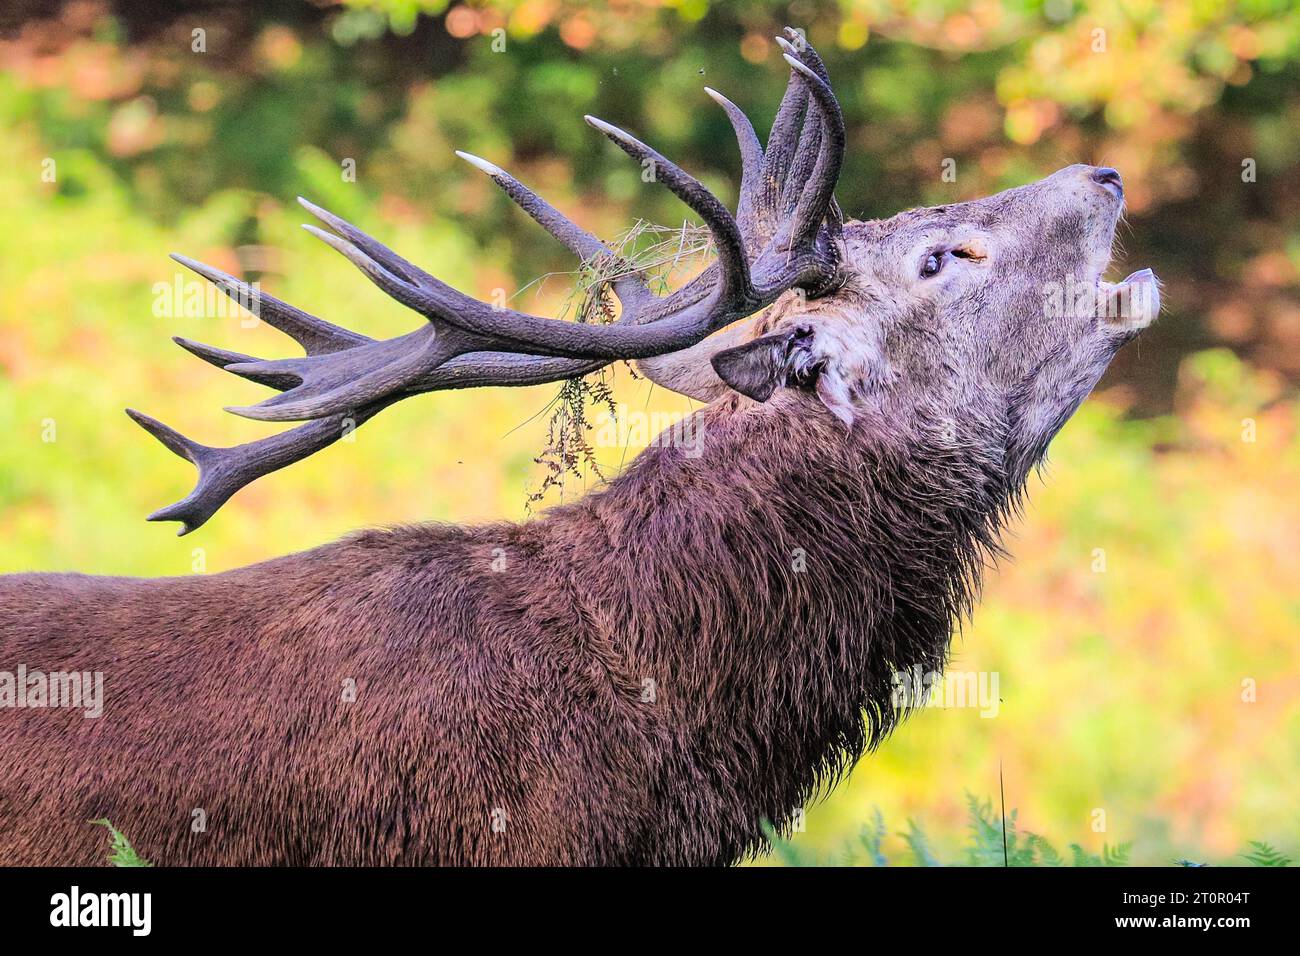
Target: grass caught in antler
{"points": [[659, 254]]}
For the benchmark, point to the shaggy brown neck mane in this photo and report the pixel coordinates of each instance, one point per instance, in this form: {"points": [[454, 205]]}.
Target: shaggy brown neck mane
{"points": [[771, 588]]}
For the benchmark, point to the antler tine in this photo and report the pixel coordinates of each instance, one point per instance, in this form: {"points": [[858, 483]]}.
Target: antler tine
{"points": [[337, 383], [817, 197], [809, 55], [782, 141], [224, 359], [316, 336], [628, 286], [224, 471], [398, 283], [751, 162], [734, 264], [806, 148], [797, 44], [576, 239], [372, 247]]}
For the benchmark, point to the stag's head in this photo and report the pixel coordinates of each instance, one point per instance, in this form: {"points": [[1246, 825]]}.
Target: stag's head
{"points": [[985, 321], [981, 323]]}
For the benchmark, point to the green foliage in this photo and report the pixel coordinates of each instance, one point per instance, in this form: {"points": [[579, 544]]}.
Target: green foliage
{"points": [[984, 846], [1110, 856], [919, 844], [791, 854], [121, 853], [1261, 854], [872, 837], [993, 845], [1046, 854]]}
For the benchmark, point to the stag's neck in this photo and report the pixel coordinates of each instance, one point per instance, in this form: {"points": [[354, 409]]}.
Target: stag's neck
{"points": [[767, 584]]}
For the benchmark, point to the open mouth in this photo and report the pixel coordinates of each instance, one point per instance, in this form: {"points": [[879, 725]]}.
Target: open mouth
{"points": [[1130, 304], [1134, 302]]}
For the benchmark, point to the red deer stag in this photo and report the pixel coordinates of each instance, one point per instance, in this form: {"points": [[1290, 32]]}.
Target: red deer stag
{"points": [[644, 676]]}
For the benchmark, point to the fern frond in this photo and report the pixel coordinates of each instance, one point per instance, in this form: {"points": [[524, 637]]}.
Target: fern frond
{"points": [[1117, 855], [121, 853], [1046, 853], [1264, 855], [872, 836], [919, 844], [1081, 857]]}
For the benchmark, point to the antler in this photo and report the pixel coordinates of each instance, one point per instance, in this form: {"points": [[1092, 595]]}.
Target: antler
{"points": [[786, 234]]}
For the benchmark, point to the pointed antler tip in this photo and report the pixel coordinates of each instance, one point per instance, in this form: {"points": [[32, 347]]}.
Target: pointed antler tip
{"points": [[613, 132], [324, 215], [347, 248], [802, 68], [245, 411], [490, 168], [167, 514], [323, 234], [147, 422], [170, 438], [213, 275]]}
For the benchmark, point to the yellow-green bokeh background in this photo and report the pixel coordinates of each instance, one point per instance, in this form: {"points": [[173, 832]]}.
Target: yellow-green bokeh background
{"points": [[1161, 690]]}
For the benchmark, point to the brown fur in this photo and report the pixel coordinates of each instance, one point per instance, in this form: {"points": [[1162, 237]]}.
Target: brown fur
{"points": [[479, 689]]}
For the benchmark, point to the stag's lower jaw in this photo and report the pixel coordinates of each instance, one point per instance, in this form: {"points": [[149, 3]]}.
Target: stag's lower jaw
{"points": [[1131, 304]]}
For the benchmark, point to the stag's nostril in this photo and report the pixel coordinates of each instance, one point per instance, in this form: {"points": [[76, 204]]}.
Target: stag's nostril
{"points": [[1108, 176]]}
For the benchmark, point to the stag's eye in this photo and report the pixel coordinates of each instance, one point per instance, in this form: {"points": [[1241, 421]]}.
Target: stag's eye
{"points": [[933, 263], [936, 260]]}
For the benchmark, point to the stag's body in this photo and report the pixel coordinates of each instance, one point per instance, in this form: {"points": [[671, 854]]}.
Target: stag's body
{"points": [[643, 676]]}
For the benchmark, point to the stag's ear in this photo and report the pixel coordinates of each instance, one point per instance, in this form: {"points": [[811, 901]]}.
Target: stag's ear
{"points": [[758, 368]]}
